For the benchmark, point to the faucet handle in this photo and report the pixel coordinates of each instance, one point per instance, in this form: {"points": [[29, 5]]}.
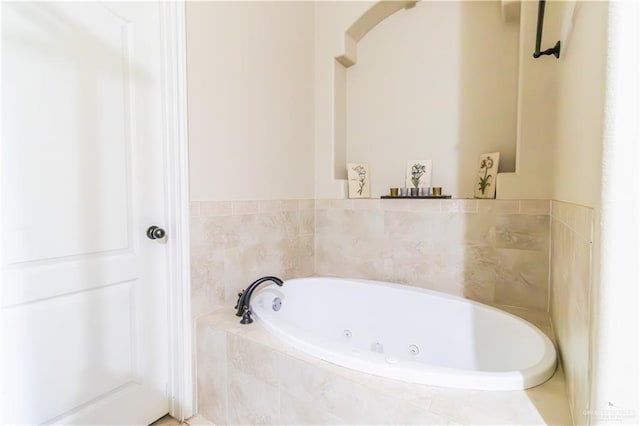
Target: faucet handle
{"points": [[246, 316], [238, 301]]}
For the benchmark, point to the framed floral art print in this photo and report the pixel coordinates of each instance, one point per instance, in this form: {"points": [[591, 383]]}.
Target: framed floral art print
{"points": [[359, 181], [487, 171], [418, 173]]}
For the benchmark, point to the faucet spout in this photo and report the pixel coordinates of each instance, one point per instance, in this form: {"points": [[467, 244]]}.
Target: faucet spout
{"points": [[243, 307]]}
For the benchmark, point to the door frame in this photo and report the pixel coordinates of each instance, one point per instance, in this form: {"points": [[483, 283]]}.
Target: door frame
{"points": [[181, 389], [181, 385]]}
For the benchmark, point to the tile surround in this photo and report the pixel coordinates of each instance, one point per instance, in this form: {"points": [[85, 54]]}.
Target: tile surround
{"points": [[263, 381], [493, 251], [235, 242], [571, 267], [212, 375]]}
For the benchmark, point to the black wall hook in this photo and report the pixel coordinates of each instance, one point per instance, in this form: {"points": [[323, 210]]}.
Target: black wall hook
{"points": [[555, 50]]}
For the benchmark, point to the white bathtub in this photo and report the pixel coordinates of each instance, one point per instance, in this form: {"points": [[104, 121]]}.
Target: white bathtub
{"points": [[406, 333]]}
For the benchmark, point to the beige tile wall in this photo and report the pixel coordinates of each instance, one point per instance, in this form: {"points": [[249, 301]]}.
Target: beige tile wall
{"points": [[494, 251], [234, 243], [571, 267], [253, 384]]}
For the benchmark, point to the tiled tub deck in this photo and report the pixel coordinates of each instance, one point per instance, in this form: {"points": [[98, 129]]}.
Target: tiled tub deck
{"points": [[247, 376]]}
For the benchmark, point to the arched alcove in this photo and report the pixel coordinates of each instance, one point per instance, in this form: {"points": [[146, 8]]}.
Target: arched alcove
{"points": [[360, 27], [365, 23], [484, 98]]}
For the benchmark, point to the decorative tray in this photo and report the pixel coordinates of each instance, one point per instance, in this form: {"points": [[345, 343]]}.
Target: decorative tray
{"points": [[417, 196]]}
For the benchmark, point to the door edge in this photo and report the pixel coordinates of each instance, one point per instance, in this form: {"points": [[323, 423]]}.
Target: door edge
{"points": [[181, 386]]}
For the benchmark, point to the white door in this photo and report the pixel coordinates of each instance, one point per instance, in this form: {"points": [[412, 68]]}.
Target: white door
{"points": [[84, 307]]}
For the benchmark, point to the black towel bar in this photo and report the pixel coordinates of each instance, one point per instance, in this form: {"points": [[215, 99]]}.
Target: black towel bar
{"points": [[555, 50]]}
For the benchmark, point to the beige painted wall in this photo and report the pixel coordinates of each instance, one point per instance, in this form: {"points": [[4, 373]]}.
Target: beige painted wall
{"points": [[439, 82], [250, 98], [536, 111], [262, 91], [560, 105], [332, 19], [577, 154], [535, 108]]}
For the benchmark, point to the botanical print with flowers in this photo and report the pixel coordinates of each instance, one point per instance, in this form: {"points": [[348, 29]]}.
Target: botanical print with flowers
{"points": [[418, 173], [486, 181], [359, 182]]}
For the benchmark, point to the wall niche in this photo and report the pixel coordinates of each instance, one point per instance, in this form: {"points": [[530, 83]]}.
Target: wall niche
{"points": [[436, 81]]}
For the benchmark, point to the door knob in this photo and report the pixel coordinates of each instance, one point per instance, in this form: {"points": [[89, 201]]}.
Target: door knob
{"points": [[156, 233]]}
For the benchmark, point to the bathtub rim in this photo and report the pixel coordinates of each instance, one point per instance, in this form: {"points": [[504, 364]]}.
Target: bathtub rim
{"points": [[531, 376]]}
